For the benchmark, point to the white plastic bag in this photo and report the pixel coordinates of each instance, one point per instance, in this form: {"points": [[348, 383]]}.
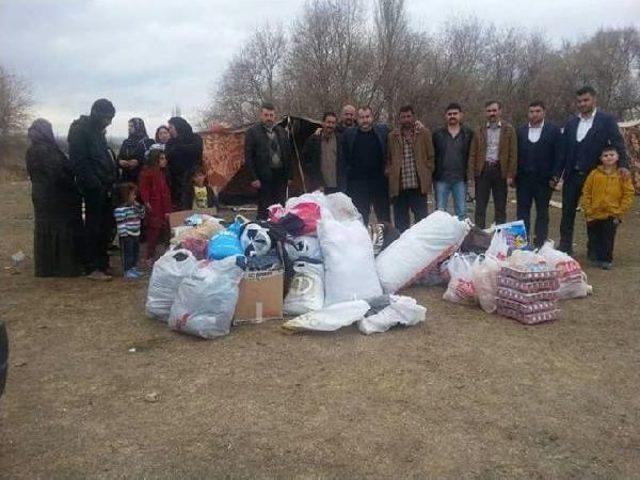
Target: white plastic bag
{"points": [[306, 292], [330, 318], [461, 288], [427, 243], [524, 259], [304, 246], [401, 311], [313, 197], [168, 271], [349, 265], [206, 300], [498, 248], [573, 280], [485, 281]]}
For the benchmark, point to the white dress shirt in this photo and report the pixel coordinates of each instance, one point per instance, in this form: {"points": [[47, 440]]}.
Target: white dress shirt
{"points": [[535, 132], [585, 125]]}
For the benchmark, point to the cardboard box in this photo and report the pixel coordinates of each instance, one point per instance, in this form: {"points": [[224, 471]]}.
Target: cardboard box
{"points": [[261, 297], [176, 219]]}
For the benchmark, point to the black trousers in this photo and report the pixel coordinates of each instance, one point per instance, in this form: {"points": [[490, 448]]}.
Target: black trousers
{"points": [[413, 200], [130, 252], [534, 189], [490, 182], [273, 191], [571, 193], [368, 193], [98, 221], [602, 234]]}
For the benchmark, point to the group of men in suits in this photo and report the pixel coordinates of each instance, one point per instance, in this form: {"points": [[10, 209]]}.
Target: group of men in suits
{"points": [[378, 167]]}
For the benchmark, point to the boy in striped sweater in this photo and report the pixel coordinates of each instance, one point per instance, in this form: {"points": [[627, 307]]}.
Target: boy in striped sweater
{"points": [[129, 214]]}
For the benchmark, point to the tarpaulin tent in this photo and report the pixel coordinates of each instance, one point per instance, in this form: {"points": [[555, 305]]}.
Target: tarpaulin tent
{"points": [[631, 133], [223, 158]]}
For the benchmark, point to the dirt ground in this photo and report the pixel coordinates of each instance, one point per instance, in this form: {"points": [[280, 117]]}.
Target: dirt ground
{"points": [[465, 396]]}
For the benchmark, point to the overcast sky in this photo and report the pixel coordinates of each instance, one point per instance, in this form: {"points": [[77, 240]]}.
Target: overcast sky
{"points": [[148, 56]]}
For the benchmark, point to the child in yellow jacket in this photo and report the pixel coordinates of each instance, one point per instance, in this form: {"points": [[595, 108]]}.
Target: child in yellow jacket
{"points": [[606, 196]]}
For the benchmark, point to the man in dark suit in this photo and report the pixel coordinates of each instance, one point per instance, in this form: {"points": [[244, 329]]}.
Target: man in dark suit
{"points": [[322, 158], [539, 154], [267, 153], [365, 155], [585, 136]]}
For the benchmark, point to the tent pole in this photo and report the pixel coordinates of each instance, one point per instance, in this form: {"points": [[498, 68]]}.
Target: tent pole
{"points": [[295, 146]]}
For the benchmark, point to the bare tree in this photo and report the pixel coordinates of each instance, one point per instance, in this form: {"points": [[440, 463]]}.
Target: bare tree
{"points": [[15, 101], [325, 65], [252, 77], [609, 61], [336, 55]]}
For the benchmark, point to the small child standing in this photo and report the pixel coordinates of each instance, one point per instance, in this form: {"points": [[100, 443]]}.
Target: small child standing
{"points": [[606, 196], [200, 195], [156, 196], [129, 214]]}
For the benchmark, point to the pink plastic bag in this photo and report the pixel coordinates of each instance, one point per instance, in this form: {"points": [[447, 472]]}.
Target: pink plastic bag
{"points": [[276, 212], [308, 212], [197, 246]]}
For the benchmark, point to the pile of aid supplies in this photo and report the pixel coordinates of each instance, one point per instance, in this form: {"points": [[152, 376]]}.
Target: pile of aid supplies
{"points": [[315, 264]]}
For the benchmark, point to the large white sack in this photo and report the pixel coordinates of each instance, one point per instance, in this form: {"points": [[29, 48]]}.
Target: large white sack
{"points": [[306, 292], [341, 207], [206, 300], [428, 242], [168, 271], [330, 318], [349, 264], [401, 311]]}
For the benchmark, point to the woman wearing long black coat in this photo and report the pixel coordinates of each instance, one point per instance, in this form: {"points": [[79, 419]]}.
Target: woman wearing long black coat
{"points": [[184, 154], [57, 205]]}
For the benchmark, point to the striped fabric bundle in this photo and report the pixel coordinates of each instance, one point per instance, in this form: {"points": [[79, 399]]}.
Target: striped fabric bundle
{"points": [[128, 219]]}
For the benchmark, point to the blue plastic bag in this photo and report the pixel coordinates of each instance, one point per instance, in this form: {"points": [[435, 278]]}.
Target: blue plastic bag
{"points": [[227, 243]]}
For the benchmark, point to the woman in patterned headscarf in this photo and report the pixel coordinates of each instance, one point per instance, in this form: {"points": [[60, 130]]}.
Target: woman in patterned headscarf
{"points": [[57, 205], [132, 151]]}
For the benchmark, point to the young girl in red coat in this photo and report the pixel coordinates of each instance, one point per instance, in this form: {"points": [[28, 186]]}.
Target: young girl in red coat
{"points": [[156, 195]]}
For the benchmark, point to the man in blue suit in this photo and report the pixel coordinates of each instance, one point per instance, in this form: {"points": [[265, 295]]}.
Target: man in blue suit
{"points": [[585, 136], [539, 156]]}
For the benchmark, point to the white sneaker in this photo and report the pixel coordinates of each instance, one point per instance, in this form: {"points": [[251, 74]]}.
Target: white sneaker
{"points": [[99, 276]]}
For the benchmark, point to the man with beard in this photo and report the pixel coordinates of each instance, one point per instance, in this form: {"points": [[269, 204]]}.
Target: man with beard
{"points": [[267, 153], [494, 160], [585, 137], [322, 158], [365, 153], [95, 175], [410, 169], [451, 144], [347, 119], [539, 153]]}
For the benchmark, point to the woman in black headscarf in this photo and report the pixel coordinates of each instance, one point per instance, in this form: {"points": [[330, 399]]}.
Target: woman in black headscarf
{"points": [[57, 205], [132, 151], [162, 134], [184, 153]]}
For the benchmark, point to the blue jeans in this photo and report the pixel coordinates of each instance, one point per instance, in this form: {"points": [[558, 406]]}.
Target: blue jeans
{"points": [[130, 251], [459, 191]]}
